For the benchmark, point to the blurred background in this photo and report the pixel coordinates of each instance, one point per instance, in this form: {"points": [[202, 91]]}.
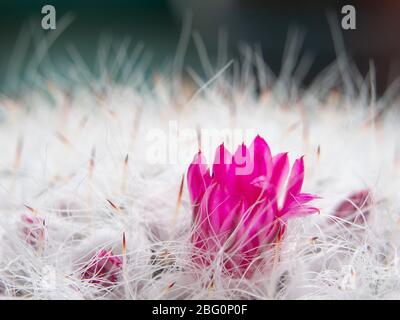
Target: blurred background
{"points": [[158, 24]]}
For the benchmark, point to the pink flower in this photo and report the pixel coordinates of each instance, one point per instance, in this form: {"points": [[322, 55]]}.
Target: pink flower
{"points": [[33, 229], [236, 209], [104, 268], [357, 202]]}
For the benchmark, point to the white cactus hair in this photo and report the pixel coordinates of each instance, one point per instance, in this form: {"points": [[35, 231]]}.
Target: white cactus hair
{"points": [[74, 152]]}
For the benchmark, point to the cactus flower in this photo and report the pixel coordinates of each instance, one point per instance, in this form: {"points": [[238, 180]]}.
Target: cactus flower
{"points": [[104, 268], [358, 202], [242, 207], [33, 229]]}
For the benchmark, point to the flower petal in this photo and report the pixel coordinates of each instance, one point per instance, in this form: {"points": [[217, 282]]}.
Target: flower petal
{"points": [[222, 163], [253, 168], [295, 182], [215, 217], [198, 178], [280, 171], [357, 202], [298, 207], [262, 159], [299, 211], [296, 177], [239, 171], [242, 163]]}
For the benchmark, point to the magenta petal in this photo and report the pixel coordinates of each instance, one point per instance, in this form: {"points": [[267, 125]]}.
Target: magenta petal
{"points": [[198, 178], [299, 211], [201, 213], [295, 181], [280, 171], [253, 226], [222, 208], [262, 159], [304, 198], [222, 162], [250, 238], [242, 163], [239, 171], [252, 168], [358, 201], [104, 268], [215, 216], [296, 177], [297, 207], [33, 229]]}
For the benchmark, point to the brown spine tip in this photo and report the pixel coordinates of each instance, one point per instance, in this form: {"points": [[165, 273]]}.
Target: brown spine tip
{"points": [[92, 157], [112, 204], [123, 244], [198, 131], [313, 240], [171, 285], [63, 139], [42, 235], [181, 190], [30, 208]]}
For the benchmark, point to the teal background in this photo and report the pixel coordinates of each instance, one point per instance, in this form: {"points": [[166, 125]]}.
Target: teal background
{"points": [[158, 24]]}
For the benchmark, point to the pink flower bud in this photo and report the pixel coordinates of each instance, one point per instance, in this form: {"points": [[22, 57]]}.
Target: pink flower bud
{"points": [[104, 268], [351, 208], [33, 229]]}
